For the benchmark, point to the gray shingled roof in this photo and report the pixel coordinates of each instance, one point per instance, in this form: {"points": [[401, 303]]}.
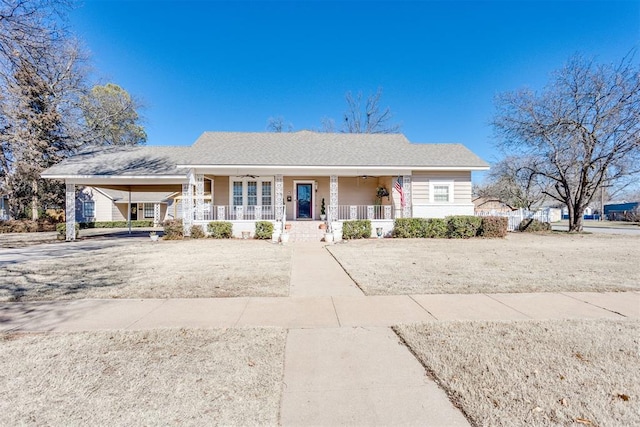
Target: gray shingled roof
{"points": [[122, 161], [302, 148], [307, 148]]}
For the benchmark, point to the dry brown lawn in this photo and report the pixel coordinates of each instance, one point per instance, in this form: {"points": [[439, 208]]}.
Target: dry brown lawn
{"points": [[522, 262], [160, 377], [139, 268], [535, 372]]}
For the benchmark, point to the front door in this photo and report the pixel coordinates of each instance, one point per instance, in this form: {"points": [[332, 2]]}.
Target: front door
{"points": [[304, 202]]}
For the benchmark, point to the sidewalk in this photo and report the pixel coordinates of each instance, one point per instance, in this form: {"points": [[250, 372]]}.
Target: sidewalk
{"points": [[311, 312]]}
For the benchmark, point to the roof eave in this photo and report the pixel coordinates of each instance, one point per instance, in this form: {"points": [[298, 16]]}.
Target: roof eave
{"points": [[281, 167]]}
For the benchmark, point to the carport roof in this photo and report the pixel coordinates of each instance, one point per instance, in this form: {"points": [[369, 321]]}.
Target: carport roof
{"points": [[122, 161]]}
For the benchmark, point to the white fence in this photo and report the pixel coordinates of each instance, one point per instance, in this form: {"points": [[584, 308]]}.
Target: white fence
{"points": [[516, 217]]}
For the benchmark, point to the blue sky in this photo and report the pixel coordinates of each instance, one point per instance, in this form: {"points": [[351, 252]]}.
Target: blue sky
{"points": [[229, 66]]}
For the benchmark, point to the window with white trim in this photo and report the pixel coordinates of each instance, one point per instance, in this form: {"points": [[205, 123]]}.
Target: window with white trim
{"points": [[89, 209], [248, 191], [441, 191], [148, 210]]}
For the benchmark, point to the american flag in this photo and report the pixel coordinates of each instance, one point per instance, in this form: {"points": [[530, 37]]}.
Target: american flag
{"points": [[398, 187]]}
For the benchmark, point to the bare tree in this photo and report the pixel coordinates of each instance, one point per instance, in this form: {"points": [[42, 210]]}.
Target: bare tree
{"points": [[580, 133], [511, 181], [367, 118], [278, 124]]}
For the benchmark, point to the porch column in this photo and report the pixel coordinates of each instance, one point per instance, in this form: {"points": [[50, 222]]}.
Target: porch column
{"points": [[156, 214], [279, 201], [333, 198], [70, 211], [212, 198], [187, 208], [200, 197], [406, 188]]}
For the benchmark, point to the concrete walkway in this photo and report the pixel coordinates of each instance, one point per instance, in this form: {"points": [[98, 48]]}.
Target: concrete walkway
{"points": [[314, 272], [343, 365], [311, 312]]}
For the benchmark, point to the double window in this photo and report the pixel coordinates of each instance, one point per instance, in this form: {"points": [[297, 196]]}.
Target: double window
{"points": [[250, 191]]}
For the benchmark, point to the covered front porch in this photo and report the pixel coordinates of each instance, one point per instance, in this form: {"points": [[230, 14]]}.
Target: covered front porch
{"points": [[247, 198]]}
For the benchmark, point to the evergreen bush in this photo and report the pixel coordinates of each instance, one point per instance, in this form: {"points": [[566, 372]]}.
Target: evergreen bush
{"points": [[220, 229], [356, 229], [463, 226], [264, 230]]}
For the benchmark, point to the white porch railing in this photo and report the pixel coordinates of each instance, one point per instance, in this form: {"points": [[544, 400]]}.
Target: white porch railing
{"points": [[268, 213], [516, 217], [350, 212], [239, 213]]}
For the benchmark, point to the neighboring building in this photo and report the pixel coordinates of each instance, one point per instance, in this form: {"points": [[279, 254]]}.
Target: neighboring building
{"points": [[488, 206], [246, 177], [625, 211]]}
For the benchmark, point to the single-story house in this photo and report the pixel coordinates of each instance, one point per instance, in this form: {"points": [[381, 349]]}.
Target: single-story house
{"points": [[490, 206], [281, 177]]}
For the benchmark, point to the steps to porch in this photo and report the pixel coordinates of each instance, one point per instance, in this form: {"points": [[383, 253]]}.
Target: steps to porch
{"points": [[305, 231]]}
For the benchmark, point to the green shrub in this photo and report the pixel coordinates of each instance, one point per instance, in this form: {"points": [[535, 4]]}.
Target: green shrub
{"points": [[420, 228], [534, 226], [493, 226], [463, 226], [264, 230], [117, 224], [197, 232], [406, 228], [62, 230], [357, 229], [173, 229], [436, 228], [220, 229]]}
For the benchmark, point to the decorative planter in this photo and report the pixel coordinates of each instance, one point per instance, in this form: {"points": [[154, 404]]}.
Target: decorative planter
{"points": [[322, 226], [379, 232], [284, 238], [275, 237], [287, 226], [328, 237], [323, 217], [153, 237]]}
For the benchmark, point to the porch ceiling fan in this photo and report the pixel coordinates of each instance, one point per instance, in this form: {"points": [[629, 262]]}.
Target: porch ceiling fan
{"points": [[248, 176]]}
